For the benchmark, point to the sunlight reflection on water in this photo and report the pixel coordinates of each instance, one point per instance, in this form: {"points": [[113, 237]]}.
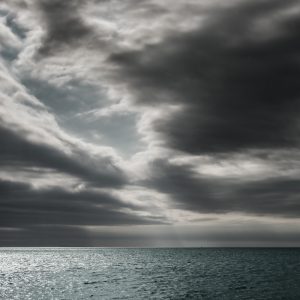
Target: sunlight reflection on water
{"points": [[104, 273]]}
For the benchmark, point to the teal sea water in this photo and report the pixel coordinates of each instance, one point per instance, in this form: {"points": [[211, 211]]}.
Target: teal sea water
{"points": [[119, 273]]}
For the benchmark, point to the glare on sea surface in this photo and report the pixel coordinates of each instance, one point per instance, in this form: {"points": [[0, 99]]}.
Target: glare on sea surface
{"points": [[40, 273]]}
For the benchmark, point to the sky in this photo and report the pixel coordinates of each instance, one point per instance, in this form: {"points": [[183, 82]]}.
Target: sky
{"points": [[149, 123]]}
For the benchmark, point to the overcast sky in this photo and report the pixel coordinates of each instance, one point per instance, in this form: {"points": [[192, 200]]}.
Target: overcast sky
{"points": [[149, 123]]}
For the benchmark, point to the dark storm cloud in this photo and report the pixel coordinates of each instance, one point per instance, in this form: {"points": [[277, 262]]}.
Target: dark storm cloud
{"points": [[63, 24], [183, 185], [16, 151], [278, 196], [22, 205], [44, 236], [236, 77], [247, 236]]}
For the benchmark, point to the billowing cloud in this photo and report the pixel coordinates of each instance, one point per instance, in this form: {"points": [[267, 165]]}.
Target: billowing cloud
{"points": [[22, 205], [63, 24], [18, 151], [117, 116], [209, 194], [234, 77]]}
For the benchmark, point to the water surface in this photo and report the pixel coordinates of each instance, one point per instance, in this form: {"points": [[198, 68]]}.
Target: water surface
{"points": [[120, 273]]}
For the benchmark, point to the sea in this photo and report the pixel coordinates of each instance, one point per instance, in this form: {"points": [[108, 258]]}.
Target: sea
{"points": [[144, 273]]}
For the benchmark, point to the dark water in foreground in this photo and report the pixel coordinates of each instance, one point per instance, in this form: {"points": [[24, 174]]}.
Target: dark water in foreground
{"points": [[113, 273]]}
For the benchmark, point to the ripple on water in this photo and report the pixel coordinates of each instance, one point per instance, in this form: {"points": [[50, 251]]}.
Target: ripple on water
{"points": [[150, 274]]}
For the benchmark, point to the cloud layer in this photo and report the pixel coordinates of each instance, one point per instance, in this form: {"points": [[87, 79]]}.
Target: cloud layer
{"points": [[235, 80], [120, 114]]}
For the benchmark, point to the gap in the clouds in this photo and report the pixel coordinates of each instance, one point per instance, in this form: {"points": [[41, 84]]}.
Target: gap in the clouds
{"points": [[117, 131], [67, 100], [69, 105]]}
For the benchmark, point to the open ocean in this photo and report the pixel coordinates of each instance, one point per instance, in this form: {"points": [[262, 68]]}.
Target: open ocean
{"points": [[173, 273]]}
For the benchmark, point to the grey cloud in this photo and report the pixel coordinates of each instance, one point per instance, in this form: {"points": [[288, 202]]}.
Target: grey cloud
{"points": [[11, 22], [22, 205], [44, 236], [63, 24], [237, 81], [67, 27], [184, 187], [9, 37], [247, 234], [277, 196], [16, 151], [224, 234]]}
